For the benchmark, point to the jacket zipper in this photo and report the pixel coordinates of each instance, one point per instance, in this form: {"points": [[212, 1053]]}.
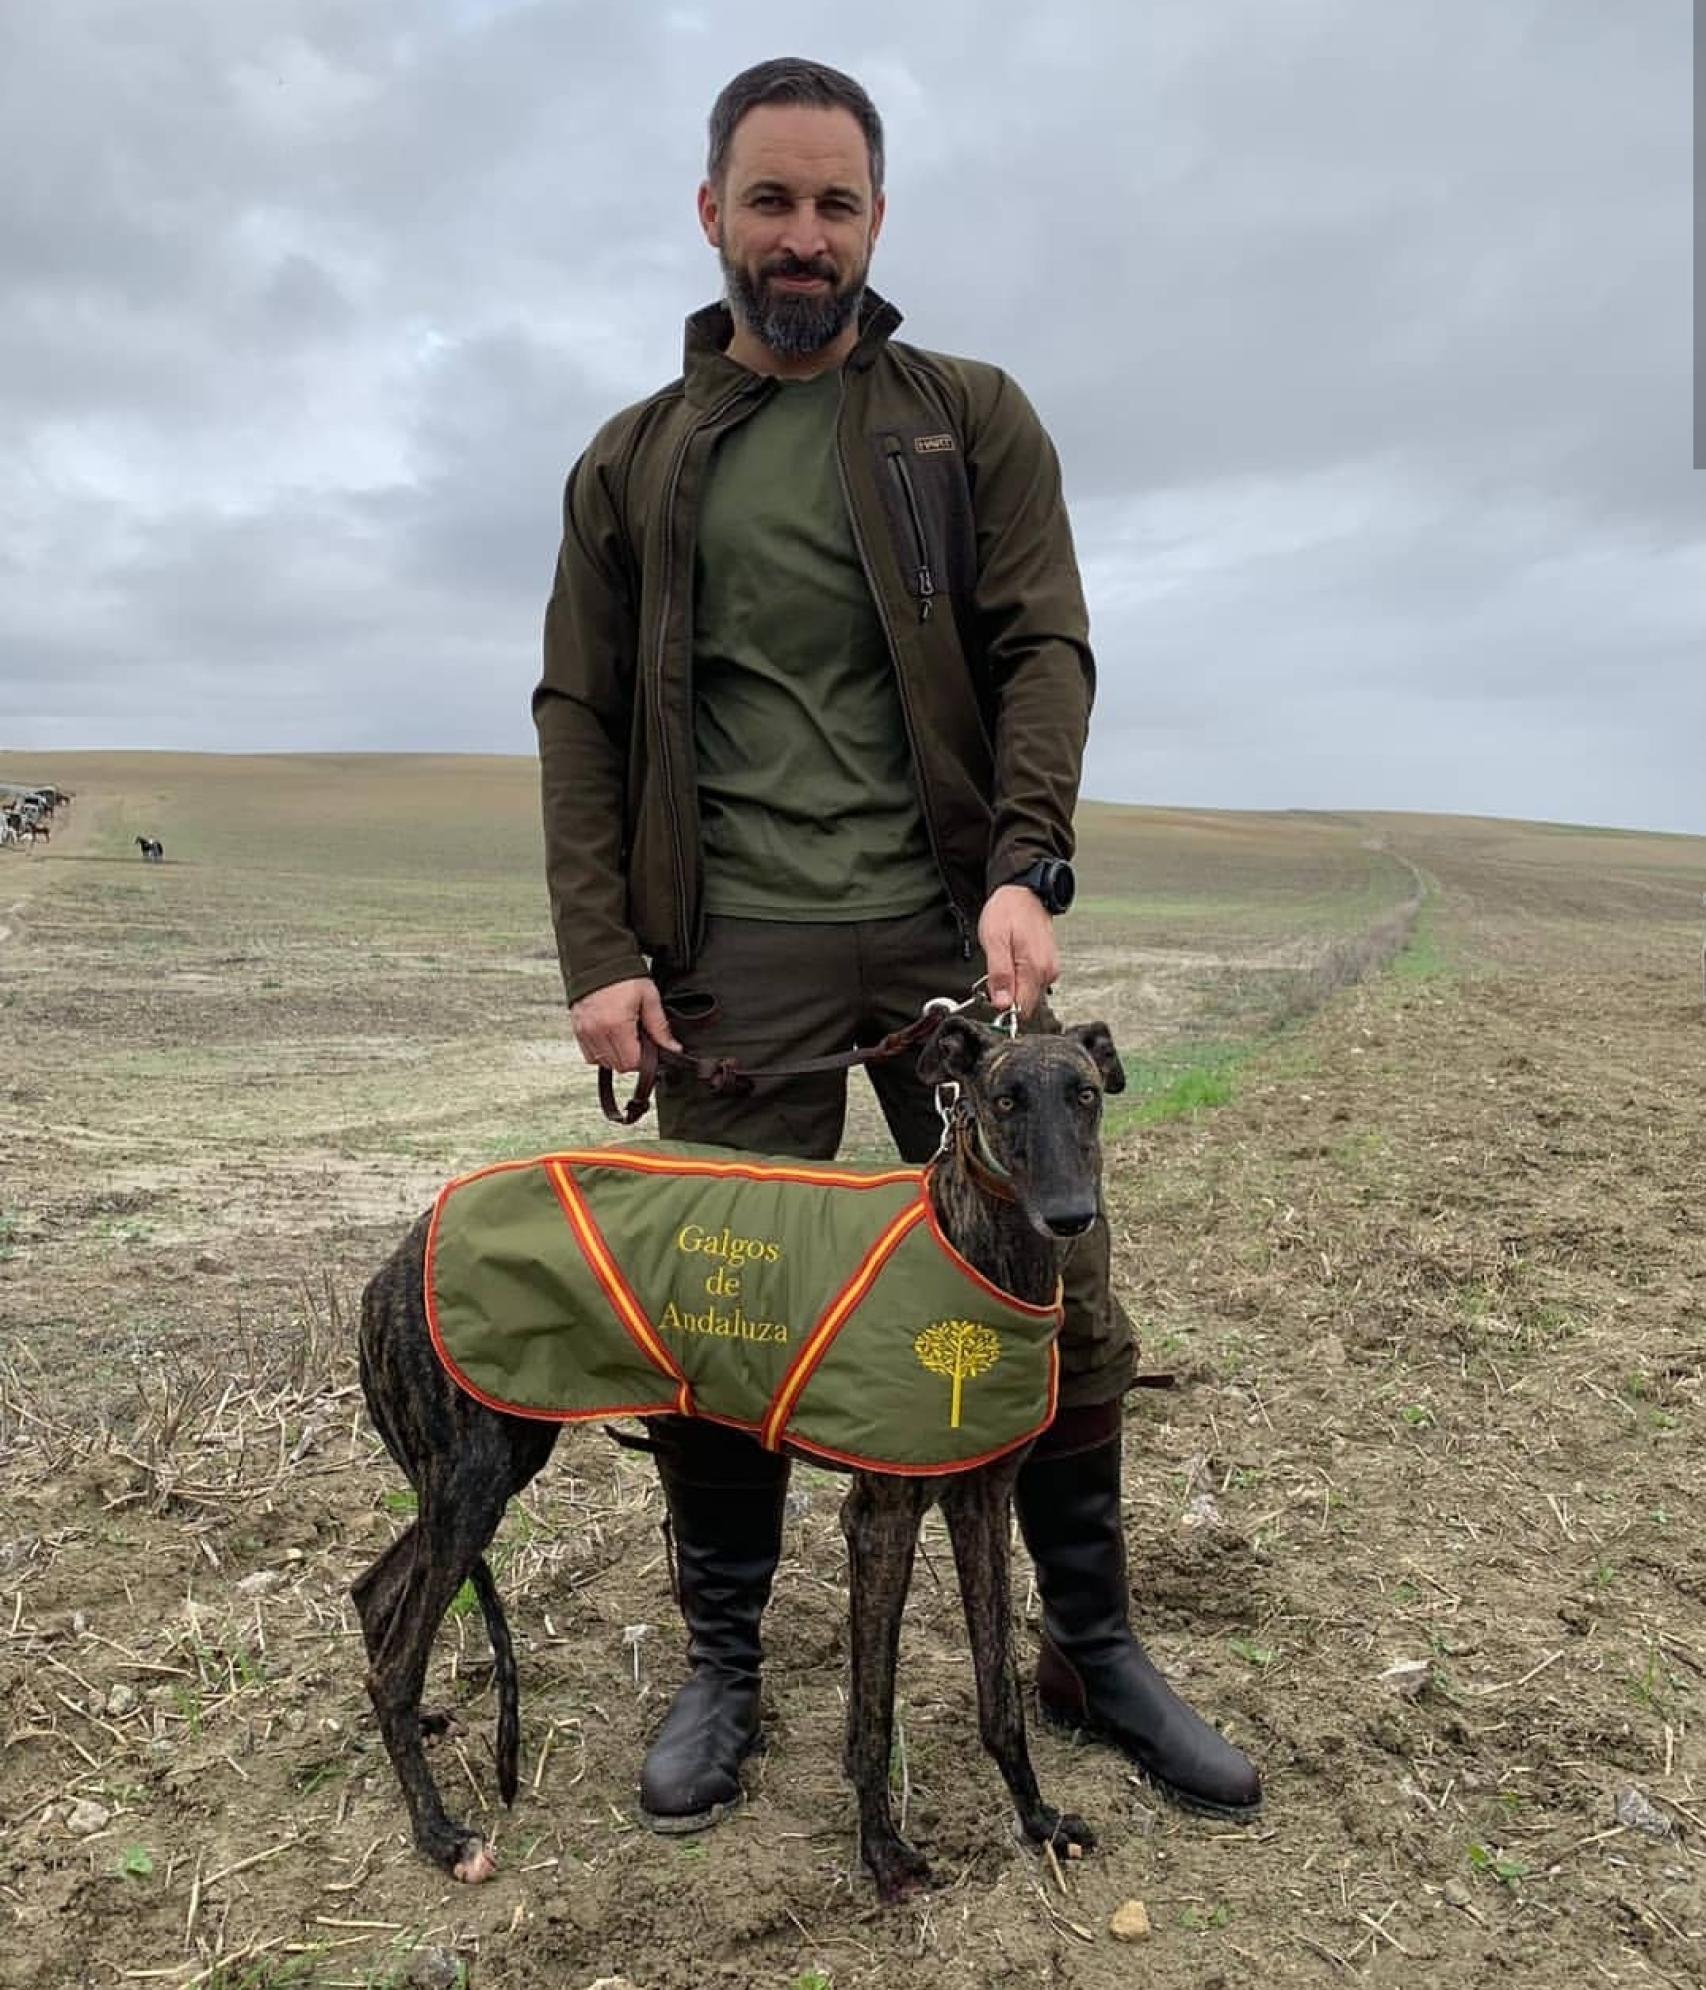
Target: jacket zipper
{"points": [[925, 579], [684, 933], [894, 655]]}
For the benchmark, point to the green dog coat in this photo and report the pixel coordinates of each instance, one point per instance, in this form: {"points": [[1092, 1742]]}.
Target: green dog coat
{"points": [[819, 1307]]}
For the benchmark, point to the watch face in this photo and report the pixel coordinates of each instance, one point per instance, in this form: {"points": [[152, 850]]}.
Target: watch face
{"points": [[1054, 883], [1064, 886]]}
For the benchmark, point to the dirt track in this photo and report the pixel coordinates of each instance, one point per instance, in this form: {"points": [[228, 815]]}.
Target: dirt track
{"points": [[1430, 1285]]}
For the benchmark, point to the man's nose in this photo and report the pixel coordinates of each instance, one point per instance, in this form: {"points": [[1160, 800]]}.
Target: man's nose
{"points": [[805, 237]]}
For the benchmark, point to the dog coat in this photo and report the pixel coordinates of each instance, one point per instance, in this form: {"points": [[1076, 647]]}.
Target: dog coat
{"points": [[819, 1307]]}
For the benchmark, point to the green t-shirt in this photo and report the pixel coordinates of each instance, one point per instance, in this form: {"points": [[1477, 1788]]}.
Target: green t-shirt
{"points": [[808, 805]]}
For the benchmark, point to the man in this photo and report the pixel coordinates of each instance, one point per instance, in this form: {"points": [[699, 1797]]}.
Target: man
{"points": [[817, 678]]}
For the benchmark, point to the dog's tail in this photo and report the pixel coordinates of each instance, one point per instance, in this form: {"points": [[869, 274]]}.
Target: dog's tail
{"points": [[509, 1691]]}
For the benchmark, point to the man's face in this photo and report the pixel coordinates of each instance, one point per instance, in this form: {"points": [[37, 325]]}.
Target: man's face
{"points": [[794, 222]]}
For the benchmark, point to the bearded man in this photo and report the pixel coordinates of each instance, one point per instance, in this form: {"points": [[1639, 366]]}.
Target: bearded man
{"points": [[817, 679]]}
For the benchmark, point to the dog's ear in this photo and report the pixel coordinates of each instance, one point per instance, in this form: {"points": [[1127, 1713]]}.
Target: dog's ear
{"points": [[1098, 1039], [954, 1050]]}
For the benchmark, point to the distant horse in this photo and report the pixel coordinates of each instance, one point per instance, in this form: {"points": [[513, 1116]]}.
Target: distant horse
{"points": [[153, 850]]}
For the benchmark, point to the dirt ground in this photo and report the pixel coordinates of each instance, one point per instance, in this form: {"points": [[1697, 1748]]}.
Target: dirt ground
{"points": [[1431, 1286]]}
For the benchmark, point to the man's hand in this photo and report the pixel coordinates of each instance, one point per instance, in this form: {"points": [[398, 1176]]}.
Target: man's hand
{"points": [[607, 1023], [1017, 935]]}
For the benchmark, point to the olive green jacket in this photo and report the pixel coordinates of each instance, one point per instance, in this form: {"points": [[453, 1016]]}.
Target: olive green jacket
{"points": [[954, 493], [820, 1308]]}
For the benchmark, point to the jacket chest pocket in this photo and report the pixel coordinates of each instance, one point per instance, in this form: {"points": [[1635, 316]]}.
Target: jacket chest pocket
{"points": [[928, 507]]}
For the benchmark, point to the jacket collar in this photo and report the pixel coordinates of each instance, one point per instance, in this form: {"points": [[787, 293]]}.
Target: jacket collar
{"points": [[710, 374]]}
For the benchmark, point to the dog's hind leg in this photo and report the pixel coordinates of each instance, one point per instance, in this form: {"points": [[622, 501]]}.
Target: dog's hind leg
{"points": [[978, 1510], [880, 1518], [462, 1501], [464, 1461], [380, 1589], [378, 1595], [432, 1428]]}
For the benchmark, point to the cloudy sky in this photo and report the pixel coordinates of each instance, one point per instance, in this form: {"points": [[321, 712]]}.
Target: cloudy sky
{"points": [[1363, 330]]}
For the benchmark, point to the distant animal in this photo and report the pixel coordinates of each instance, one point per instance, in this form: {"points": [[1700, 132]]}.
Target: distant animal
{"points": [[153, 850], [1018, 1178]]}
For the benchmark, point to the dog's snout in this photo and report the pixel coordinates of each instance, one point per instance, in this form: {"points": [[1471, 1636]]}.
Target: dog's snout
{"points": [[1070, 1222]]}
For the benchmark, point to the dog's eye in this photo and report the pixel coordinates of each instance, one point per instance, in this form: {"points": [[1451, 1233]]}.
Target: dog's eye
{"points": [[1006, 1102], [1088, 1095]]}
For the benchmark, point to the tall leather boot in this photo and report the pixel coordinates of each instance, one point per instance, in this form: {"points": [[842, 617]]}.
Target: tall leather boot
{"points": [[1092, 1673], [725, 1496]]}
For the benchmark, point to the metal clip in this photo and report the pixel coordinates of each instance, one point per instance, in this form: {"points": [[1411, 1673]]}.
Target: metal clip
{"points": [[1008, 1020], [946, 1005], [947, 1110]]}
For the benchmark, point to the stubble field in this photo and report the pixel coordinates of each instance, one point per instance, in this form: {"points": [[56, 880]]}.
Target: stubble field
{"points": [[1416, 1234]]}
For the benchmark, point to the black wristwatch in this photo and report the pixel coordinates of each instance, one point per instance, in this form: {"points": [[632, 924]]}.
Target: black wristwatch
{"points": [[1052, 880]]}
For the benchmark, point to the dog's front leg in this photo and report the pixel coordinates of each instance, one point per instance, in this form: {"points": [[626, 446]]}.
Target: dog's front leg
{"points": [[880, 1518], [978, 1506]]}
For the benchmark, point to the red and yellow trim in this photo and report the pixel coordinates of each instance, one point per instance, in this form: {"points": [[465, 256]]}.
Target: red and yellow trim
{"points": [[969, 1271], [828, 1455], [839, 1311], [616, 1288], [638, 1161], [448, 1362]]}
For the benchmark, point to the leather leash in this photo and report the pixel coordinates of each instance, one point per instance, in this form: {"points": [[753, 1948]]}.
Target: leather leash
{"points": [[727, 1074]]}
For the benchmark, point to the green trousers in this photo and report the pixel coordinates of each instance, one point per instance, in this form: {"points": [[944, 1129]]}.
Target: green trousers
{"points": [[769, 991]]}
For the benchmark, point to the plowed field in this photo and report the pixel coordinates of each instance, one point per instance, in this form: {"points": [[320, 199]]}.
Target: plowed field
{"points": [[1418, 1240]]}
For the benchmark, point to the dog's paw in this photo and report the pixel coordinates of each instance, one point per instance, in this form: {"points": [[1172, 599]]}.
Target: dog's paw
{"points": [[1064, 1830], [1072, 1835], [474, 1862]]}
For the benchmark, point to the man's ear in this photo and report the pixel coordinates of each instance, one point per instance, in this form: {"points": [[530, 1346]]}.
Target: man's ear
{"points": [[954, 1051], [710, 214], [1098, 1039]]}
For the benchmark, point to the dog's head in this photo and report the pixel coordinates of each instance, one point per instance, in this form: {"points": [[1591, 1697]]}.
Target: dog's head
{"points": [[1035, 1107]]}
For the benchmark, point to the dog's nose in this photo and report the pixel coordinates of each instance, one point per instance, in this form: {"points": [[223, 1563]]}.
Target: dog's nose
{"points": [[1071, 1223]]}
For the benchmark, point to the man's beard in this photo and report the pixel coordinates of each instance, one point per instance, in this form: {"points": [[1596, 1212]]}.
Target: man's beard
{"points": [[793, 324]]}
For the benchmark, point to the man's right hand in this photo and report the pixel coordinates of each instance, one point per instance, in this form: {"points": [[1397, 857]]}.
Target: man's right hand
{"points": [[607, 1023]]}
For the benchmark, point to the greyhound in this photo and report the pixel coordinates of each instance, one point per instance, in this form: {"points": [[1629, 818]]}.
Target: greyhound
{"points": [[1019, 1177]]}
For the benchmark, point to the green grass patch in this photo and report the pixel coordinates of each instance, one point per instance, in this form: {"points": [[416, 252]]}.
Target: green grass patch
{"points": [[298, 1972], [1200, 1920], [1422, 958], [1192, 1079], [1507, 1871]]}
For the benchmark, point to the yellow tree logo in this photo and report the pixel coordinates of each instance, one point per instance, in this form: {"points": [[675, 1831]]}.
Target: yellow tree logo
{"points": [[957, 1349]]}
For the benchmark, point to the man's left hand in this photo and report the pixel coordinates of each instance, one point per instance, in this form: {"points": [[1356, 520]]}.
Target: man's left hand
{"points": [[1017, 935]]}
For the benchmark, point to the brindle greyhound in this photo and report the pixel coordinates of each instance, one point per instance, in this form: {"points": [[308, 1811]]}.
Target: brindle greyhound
{"points": [[1019, 1177]]}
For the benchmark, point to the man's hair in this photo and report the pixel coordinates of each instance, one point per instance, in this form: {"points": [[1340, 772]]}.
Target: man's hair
{"points": [[790, 80]]}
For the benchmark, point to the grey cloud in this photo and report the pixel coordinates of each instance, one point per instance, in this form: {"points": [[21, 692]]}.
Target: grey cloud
{"points": [[1363, 333]]}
